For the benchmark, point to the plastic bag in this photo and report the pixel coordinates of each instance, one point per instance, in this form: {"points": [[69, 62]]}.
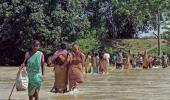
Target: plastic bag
{"points": [[21, 80]]}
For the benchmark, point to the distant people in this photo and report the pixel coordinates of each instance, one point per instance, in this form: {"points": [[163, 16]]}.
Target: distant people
{"points": [[145, 60], [95, 61], [139, 60], [107, 57], [127, 62], [150, 61], [154, 61], [88, 63], [34, 61], [134, 61], [119, 60], [60, 61], [102, 64], [164, 60], [113, 59], [75, 73]]}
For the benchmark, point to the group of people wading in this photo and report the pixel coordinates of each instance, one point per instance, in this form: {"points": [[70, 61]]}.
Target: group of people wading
{"points": [[96, 62], [126, 60], [68, 67]]}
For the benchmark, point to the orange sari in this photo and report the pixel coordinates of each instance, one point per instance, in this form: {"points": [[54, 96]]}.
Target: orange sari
{"points": [[88, 64], [127, 63], [61, 77], [102, 66]]}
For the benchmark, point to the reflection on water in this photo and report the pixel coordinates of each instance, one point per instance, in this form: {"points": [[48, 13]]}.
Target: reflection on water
{"points": [[135, 84]]}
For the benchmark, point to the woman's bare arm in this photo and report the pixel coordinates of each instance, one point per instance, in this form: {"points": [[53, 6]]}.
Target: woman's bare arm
{"points": [[25, 59], [42, 63]]}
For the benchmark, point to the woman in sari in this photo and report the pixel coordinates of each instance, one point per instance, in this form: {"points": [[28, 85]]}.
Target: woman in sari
{"points": [[127, 63], [95, 61], [34, 60], [102, 64], [88, 63], [145, 61], [164, 60], [107, 57], [59, 60], [75, 72]]}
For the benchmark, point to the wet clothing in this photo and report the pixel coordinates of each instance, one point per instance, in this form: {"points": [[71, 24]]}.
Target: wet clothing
{"points": [[59, 57], [88, 64], [95, 64], [164, 61], [107, 57], [61, 70], [75, 72], [134, 62], [127, 62], [139, 61], [119, 61], [150, 62], [102, 65], [34, 72]]}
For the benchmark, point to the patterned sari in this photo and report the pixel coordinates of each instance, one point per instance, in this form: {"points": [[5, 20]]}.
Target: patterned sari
{"points": [[34, 73], [75, 73]]}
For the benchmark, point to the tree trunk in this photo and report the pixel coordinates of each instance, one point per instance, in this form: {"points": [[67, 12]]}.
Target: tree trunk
{"points": [[158, 30]]}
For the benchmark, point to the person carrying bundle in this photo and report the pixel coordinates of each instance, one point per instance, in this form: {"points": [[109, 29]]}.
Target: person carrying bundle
{"points": [[34, 61], [60, 61]]}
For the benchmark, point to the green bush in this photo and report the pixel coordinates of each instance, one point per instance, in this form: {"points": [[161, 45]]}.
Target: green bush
{"points": [[88, 44], [164, 48]]}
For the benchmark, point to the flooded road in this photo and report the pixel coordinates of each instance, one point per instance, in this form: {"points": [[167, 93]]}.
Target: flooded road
{"points": [[134, 84]]}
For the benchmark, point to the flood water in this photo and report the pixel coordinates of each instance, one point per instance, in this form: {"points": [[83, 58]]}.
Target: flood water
{"points": [[134, 84]]}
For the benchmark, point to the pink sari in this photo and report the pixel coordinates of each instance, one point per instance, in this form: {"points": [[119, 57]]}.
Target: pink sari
{"points": [[75, 73], [58, 53]]}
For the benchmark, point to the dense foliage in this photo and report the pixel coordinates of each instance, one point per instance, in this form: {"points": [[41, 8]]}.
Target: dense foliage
{"points": [[88, 22]]}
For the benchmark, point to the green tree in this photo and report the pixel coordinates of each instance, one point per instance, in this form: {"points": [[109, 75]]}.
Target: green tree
{"points": [[54, 21], [49, 21]]}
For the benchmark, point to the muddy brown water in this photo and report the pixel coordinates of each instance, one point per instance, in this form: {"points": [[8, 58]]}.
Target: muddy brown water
{"points": [[134, 84]]}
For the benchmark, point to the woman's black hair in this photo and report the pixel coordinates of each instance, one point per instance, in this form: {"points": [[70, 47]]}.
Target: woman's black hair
{"points": [[88, 53], [63, 46], [101, 55], [36, 42], [95, 54]]}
